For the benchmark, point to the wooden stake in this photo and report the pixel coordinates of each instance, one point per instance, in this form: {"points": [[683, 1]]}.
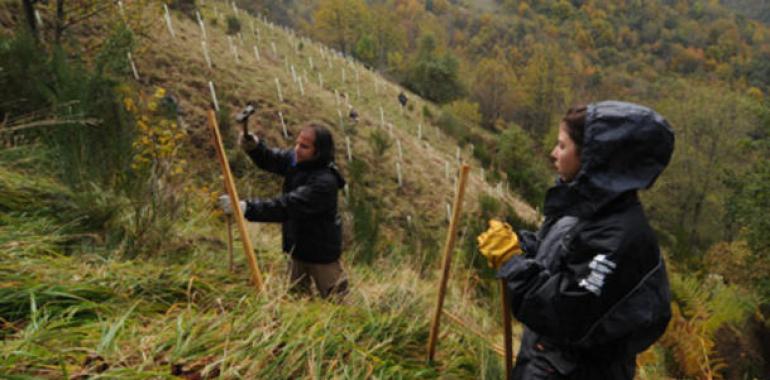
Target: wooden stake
{"points": [[248, 249], [507, 334], [230, 242], [448, 248]]}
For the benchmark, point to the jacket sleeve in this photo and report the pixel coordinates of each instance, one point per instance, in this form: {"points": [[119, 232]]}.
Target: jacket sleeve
{"points": [[313, 198], [565, 304], [274, 160]]}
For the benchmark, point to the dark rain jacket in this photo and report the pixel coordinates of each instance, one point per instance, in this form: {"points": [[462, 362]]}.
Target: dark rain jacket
{"points": [[592, 288], [307, 207]]}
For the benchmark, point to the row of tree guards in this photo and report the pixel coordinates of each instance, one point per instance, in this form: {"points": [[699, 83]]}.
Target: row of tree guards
{"points": [[453, 211]]}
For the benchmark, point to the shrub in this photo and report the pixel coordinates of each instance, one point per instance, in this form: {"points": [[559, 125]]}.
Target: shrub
{"points": [[233, 25]]}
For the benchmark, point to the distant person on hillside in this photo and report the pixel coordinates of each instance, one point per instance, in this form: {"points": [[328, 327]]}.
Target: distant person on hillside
{"points": [[307, 208], [591, 286], [402, 99], [353, 114]]}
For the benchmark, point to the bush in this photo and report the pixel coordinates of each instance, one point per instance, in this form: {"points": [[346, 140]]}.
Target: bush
{"points": [[233, 25], [518, 158], [380, 141]]}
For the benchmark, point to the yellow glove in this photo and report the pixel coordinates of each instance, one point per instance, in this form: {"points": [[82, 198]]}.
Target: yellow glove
{"points": [[498, 243]]}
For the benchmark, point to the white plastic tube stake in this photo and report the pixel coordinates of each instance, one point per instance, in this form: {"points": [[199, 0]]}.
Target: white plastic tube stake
{"points": [[448, 212], [283, 125], [457, 154], [256, 53], [400, 151], [398, 173], [38, 19], [350, 152], [320, 80], [214, 96], [121, 9], [446, 169], [278, 88], [293, 74], [301, 87], [206, 54], [201, 24], [167, 16], [382, 117], [343, 74], [275, 51], [310, 62], [339, 116], [133, 66]]}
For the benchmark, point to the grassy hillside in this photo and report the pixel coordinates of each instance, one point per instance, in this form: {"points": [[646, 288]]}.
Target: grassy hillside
{"points": [[118, 268], [114, 263]]}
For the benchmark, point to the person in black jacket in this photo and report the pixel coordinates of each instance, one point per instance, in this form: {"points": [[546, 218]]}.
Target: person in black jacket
{"points": [[591, 287], [307, 208]]}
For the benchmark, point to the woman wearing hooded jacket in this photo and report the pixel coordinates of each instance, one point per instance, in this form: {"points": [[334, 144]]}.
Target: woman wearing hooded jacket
{"points": [[591, 285]]}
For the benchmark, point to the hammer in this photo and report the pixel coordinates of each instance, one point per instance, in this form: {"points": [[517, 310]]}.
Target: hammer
{"points": [[243, 117]]}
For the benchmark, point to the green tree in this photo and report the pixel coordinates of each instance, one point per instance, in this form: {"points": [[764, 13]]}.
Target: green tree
{"points": [[433, 76], [525, 171], [339, 23], [688, 203], [492, 88], [546, 84], [365, 50]]}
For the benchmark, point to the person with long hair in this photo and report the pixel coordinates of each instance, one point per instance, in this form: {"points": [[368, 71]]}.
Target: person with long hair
{"points": [[307, 207]]}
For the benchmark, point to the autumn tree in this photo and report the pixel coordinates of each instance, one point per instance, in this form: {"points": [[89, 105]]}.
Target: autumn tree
{"points": [[492, 88], [340, 23], [546, 87]]}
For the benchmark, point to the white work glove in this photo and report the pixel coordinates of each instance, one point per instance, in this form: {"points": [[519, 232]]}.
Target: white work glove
{"points": [[224, 203]]}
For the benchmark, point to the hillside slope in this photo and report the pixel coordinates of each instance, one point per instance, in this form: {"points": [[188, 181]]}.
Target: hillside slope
{"points": [[72, 306]]}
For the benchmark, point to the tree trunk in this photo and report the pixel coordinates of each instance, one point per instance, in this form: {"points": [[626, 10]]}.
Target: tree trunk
{"points": [[59, 20], [29, 11]]}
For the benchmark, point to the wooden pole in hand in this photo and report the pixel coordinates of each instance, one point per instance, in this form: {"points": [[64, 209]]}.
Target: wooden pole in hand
{"points": [[507, 335], [230, 242], [256, 276], [448, 248]]}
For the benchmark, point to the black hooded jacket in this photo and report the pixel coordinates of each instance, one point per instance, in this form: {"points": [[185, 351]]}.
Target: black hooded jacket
{"points": [[592, 288], [307, 207]]}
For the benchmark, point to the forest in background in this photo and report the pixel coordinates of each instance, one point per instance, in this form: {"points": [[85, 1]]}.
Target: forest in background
{"points": [[503, 73], [511, 68]]}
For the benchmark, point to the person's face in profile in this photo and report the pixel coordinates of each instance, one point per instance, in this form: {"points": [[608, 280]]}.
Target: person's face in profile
{"points": [[565, 156], [304, 150]]}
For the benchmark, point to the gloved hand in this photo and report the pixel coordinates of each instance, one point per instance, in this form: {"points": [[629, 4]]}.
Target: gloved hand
{"points": [[498, 243], [249, 142], [224, 203]]}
